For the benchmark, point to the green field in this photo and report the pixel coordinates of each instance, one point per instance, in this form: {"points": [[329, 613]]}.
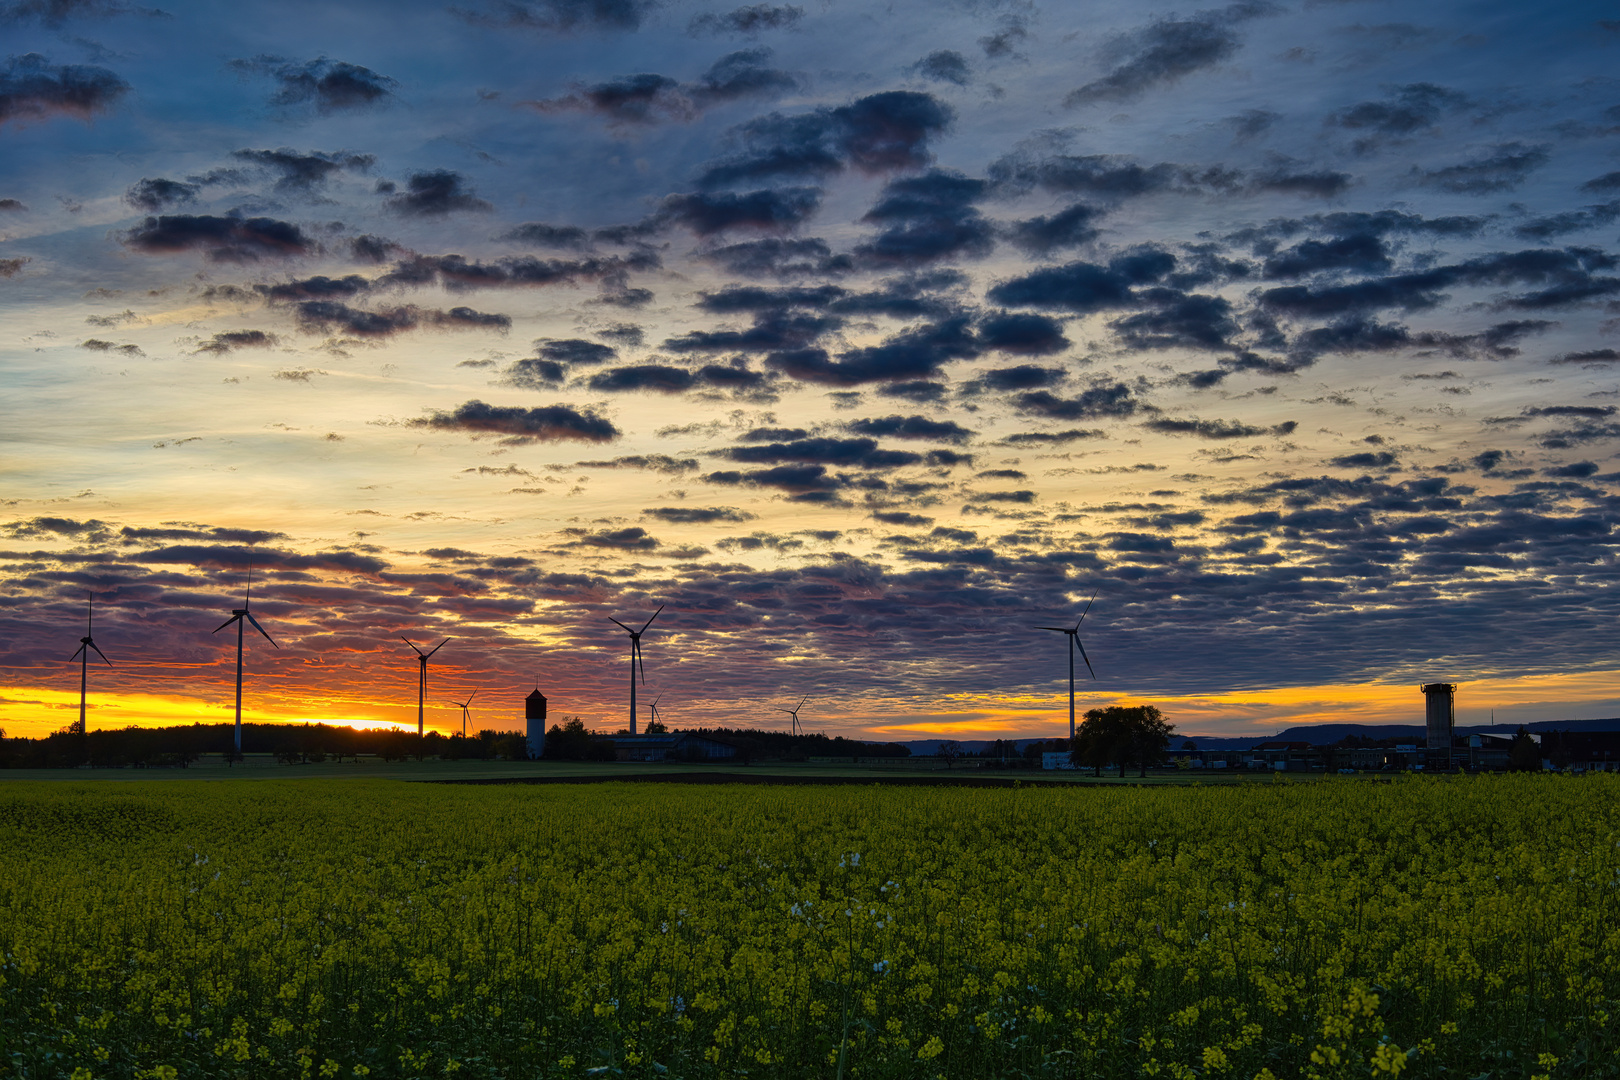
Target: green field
{"points": [[265, 767], [1441, 927]]}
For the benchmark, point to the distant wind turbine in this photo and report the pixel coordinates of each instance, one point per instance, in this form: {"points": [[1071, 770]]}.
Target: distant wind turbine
{"points": [[1074, 643], [421, 679], [635, 660], [794, 712], [87, 643], [466, 708], [652, 707], [241, 617]]}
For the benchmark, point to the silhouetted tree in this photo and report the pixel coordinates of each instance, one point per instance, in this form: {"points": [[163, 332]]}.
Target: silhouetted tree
{"points": [[1524, 755], [568, 741], [950, 750], [1122, 734]]}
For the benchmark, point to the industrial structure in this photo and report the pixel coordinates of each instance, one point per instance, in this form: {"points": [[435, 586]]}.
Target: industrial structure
{"points": [[1440, 716], [534, 716]]}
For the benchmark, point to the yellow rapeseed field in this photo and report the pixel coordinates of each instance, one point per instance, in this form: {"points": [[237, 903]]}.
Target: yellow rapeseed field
{"points": [[1445, 927]]}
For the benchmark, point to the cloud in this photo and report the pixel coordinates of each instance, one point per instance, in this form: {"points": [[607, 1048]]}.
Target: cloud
{"points": [[329, 85], [434, 194], [1508, 166], [781, 209], [911, 353], [540, 234], [327, 316], [304, 172], [223, 239], [1021, 333], [550, 423], [1166, 51], [912, 427], [561, 16], [32, 88], [231, 340], [659, 463], [1407, 110], [1045, 234], [12, 267], [661, 378], [576, 351], [750, 19], [645, 99], [319, 287], [862, 452], [1020, 377], [927, 218], [12, 206], [154, 195], [534, 373], [944, 65], [880, 133], [1103, 400], [631, 538], [56, 13], [1052, 438], [693, 515], [1082, 287], [1216, 429]]}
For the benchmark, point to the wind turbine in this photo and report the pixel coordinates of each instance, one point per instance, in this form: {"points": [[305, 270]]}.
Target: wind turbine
{"points": [[466, 707], [241, 617], [87, 643], [635, 658], [652, 706], [794, 712], [1074, 643], [421, 678]]}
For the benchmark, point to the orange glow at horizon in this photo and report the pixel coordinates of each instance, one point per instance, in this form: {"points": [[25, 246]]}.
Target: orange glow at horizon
{"points": [[35, 711]]}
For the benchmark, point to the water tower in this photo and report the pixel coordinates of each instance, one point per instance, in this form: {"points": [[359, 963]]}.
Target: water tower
{"points": [[534, 713], [1440, 714]]}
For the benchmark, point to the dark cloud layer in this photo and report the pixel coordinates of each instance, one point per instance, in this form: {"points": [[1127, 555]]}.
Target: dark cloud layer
{"points": [[328, 86], [550, 423], [32, 88]]}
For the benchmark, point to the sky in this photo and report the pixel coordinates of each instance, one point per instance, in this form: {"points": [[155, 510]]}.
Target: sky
{"points": [[864, 340]]}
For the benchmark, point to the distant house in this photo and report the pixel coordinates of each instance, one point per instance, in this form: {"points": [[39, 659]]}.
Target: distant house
{"points": [[1583, 751], [1283, 755], [675, 746]]}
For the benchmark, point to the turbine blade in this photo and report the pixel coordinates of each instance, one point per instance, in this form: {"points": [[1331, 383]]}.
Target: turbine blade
{"points": [[611, 619], [75, 656], [259, 628], [470, 697], [649, 621], [99, 653], [412, 644], [1084, 657], [801, 702], [227, 622], [439, 646], [1059, 629], [1082, 617], [637, 658]]}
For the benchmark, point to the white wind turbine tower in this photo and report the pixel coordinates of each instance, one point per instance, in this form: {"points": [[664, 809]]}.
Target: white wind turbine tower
{"points": [[635, 659], [794, 712], [466, 709], [1074, 643], [241, 617], [421, 679], [87, 643]]}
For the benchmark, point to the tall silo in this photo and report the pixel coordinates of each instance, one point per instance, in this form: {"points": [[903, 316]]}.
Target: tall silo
{"points": [[534, 713], [1440, 714]]}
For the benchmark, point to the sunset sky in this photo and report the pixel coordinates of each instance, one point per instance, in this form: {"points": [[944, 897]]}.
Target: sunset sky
{"points": [[866, 338]]}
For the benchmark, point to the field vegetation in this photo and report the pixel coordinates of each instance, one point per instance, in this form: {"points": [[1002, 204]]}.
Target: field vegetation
{"points": [[1457, 927]]}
